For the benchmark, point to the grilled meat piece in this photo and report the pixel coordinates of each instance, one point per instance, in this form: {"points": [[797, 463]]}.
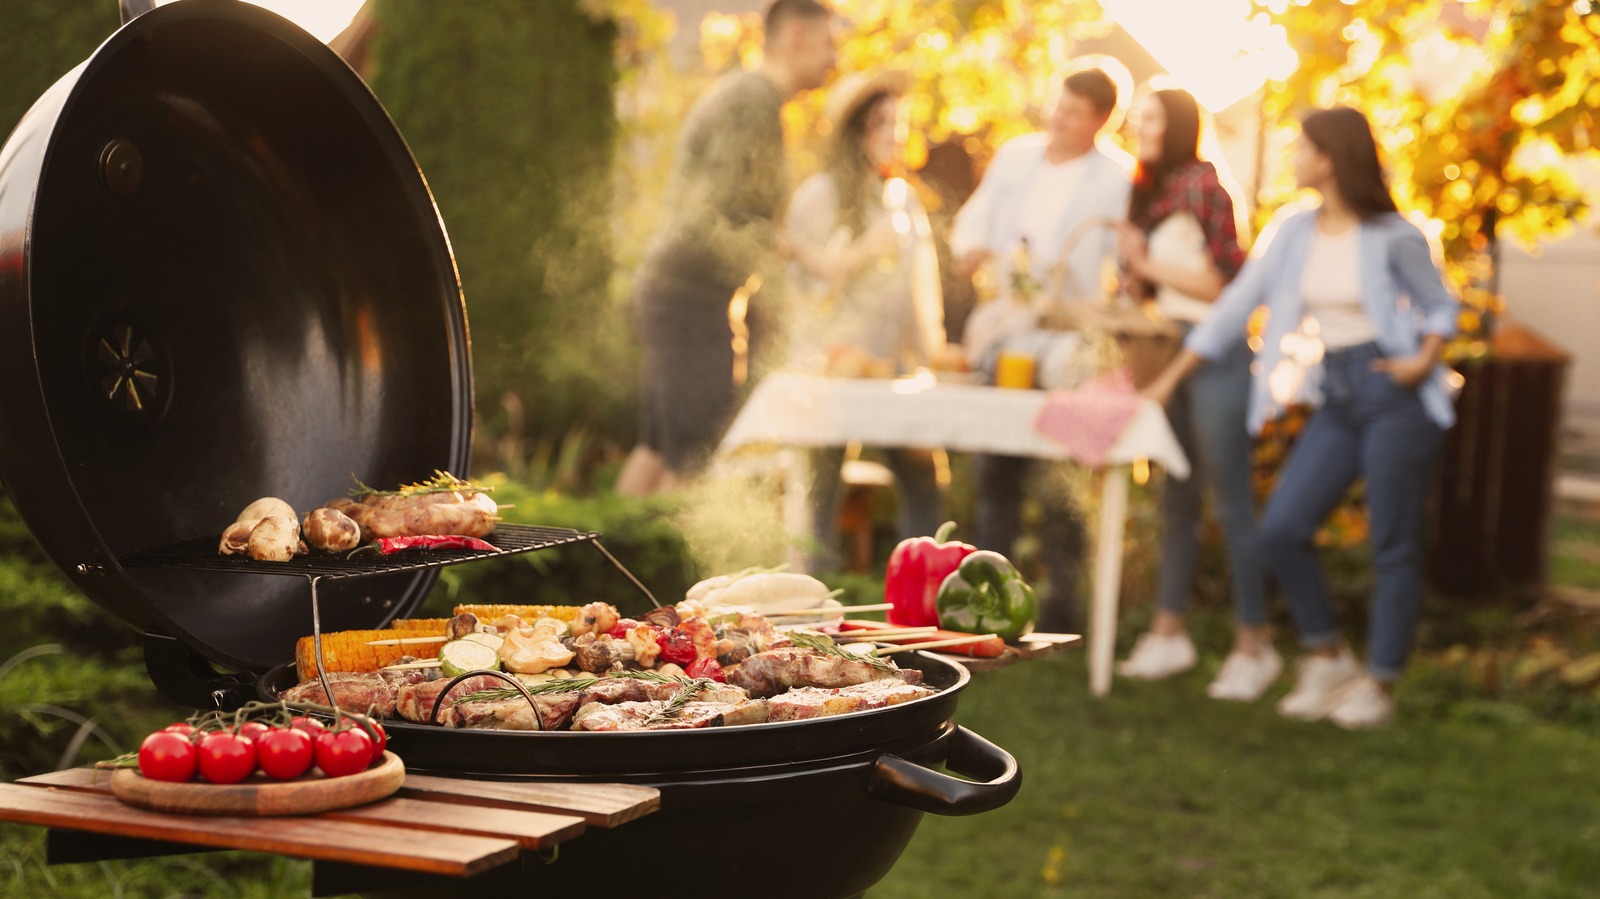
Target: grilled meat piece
{"points": [[776, 670], [467, 513], [550, 711], [375, 690], [819, 702], [614, 690], [637, 716], [414, 702], [599, 653]]}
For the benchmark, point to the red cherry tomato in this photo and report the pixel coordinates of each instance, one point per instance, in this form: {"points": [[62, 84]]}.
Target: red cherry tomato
{"points": [[343, 752], [380, 739], [181, 727], [253, 729], [167, 755], [311, 726], [226, 758], [621, 628], [706, 668], [676, 646], [285, 753]]}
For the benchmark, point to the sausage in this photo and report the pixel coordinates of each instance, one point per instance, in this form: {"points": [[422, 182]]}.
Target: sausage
{"points": [[472, 515]]}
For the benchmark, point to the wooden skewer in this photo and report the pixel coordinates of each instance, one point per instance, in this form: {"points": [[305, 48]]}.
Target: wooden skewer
{"points": [[867, 636], [407, 641], [406, 666], [826, 610], [936, 644]]}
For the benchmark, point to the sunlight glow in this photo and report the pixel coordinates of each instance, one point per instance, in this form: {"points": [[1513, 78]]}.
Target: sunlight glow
{"points": [[1219, 50], [323, 19]]}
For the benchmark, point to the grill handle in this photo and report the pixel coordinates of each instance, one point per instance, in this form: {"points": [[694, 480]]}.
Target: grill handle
{"points": [[133, 9], [997, 779]]}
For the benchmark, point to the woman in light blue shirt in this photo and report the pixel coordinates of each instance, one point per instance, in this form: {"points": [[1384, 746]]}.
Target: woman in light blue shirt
{"points": [[1357, 315]]}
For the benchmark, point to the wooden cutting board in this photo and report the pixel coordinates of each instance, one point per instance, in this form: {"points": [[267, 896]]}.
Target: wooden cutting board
{"points": [[260, 796]]}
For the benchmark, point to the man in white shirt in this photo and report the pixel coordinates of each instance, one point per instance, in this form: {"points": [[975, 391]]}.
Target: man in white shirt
{"points": [[1045, 191]]}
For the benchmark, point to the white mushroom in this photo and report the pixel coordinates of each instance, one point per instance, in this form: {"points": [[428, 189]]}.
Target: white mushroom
{"points": [[331, 530], [275, 540]]}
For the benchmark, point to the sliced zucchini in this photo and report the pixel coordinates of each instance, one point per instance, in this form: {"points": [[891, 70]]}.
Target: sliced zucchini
{"points": [[460, 656], [492, 641]]}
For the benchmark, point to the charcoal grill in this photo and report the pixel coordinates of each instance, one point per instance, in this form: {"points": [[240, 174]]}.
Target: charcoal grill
{"points": [[222, 276]]}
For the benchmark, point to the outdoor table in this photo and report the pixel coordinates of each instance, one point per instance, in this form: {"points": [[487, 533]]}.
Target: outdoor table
{"points": [[443, 829], [790, 410]]}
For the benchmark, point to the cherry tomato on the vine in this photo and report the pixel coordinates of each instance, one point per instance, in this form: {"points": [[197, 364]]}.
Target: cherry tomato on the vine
{"points": [[380, 738], [285, 753], [167, 755], [253, 729], [342, 752], [180, 727], [310, 725], [226, 758]]}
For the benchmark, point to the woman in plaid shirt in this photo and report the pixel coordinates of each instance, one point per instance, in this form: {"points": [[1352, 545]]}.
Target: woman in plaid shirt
{"points": [[1180, 245]]}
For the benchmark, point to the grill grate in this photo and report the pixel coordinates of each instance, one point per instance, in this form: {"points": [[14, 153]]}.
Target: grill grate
{"points": [[202, 555]]}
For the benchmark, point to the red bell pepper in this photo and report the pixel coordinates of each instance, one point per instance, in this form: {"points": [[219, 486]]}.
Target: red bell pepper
{"points": [[916, 569]]}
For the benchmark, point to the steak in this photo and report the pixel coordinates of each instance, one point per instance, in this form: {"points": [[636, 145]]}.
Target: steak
{"points": [[357, 692], [624, 716], [777, 670], [820, 702]]}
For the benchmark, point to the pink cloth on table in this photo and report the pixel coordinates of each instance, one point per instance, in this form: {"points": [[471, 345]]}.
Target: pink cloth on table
{"points": [[1089, 421]]}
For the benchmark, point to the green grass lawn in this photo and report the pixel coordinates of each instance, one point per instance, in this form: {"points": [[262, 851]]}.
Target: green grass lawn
{"points": [[1158, 791]]}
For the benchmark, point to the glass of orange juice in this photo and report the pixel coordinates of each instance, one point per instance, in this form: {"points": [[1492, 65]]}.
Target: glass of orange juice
{"points": [[1014, 369]]}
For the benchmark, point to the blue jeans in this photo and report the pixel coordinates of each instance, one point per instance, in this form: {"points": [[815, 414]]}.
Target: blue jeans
{"points": [[1207, 413], [1368, 427]]}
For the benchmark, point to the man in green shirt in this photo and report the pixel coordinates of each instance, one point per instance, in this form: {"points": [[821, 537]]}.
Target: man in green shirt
{"points": [[728, 181]]}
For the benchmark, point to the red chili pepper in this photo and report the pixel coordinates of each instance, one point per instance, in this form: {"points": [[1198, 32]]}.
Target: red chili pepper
{"points": [[389, 545], [916, 569]]}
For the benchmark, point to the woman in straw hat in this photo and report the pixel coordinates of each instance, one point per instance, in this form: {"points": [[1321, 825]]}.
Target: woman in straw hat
{"points": [[864, 281]]}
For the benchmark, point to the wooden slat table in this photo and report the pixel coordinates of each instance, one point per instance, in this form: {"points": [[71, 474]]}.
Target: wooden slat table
{"points": [[437, 826]]}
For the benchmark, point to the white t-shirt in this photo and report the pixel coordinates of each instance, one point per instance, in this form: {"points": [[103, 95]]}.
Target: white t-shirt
{"points": [[1330, 289], [1039, 217]]}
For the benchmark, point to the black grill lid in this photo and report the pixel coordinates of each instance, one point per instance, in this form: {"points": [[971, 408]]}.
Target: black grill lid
{"points": [[233, 282]]}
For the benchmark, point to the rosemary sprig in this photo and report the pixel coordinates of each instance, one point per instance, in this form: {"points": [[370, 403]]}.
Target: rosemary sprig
{"points": [[672, 707], [495, 694], [441, 482], [824, 644]]}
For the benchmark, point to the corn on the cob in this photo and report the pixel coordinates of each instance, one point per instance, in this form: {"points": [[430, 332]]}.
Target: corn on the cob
{"points": [[430, 625], [489, 613], [348, 650]]}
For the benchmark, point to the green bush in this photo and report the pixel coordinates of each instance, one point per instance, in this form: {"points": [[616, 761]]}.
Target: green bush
{"points": [[508, 108]]}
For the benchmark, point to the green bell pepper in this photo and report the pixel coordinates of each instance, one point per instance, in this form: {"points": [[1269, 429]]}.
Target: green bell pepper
{"points": [[985, 595]]}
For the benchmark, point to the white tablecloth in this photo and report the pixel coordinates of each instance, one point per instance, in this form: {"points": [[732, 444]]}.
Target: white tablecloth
{"points": [[788, 410], [803, 410]]}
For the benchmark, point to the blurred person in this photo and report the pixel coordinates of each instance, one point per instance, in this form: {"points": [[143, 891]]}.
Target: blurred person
{"points": [[728, 181], [1357, 317], [1180, 247], [1040, 193], [863, 289]]}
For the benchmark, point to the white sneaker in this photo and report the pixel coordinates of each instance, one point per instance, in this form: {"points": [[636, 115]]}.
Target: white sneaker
{"points": [[1245, 677], [1321, 686], [1155, 657], [1365, 705]]}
